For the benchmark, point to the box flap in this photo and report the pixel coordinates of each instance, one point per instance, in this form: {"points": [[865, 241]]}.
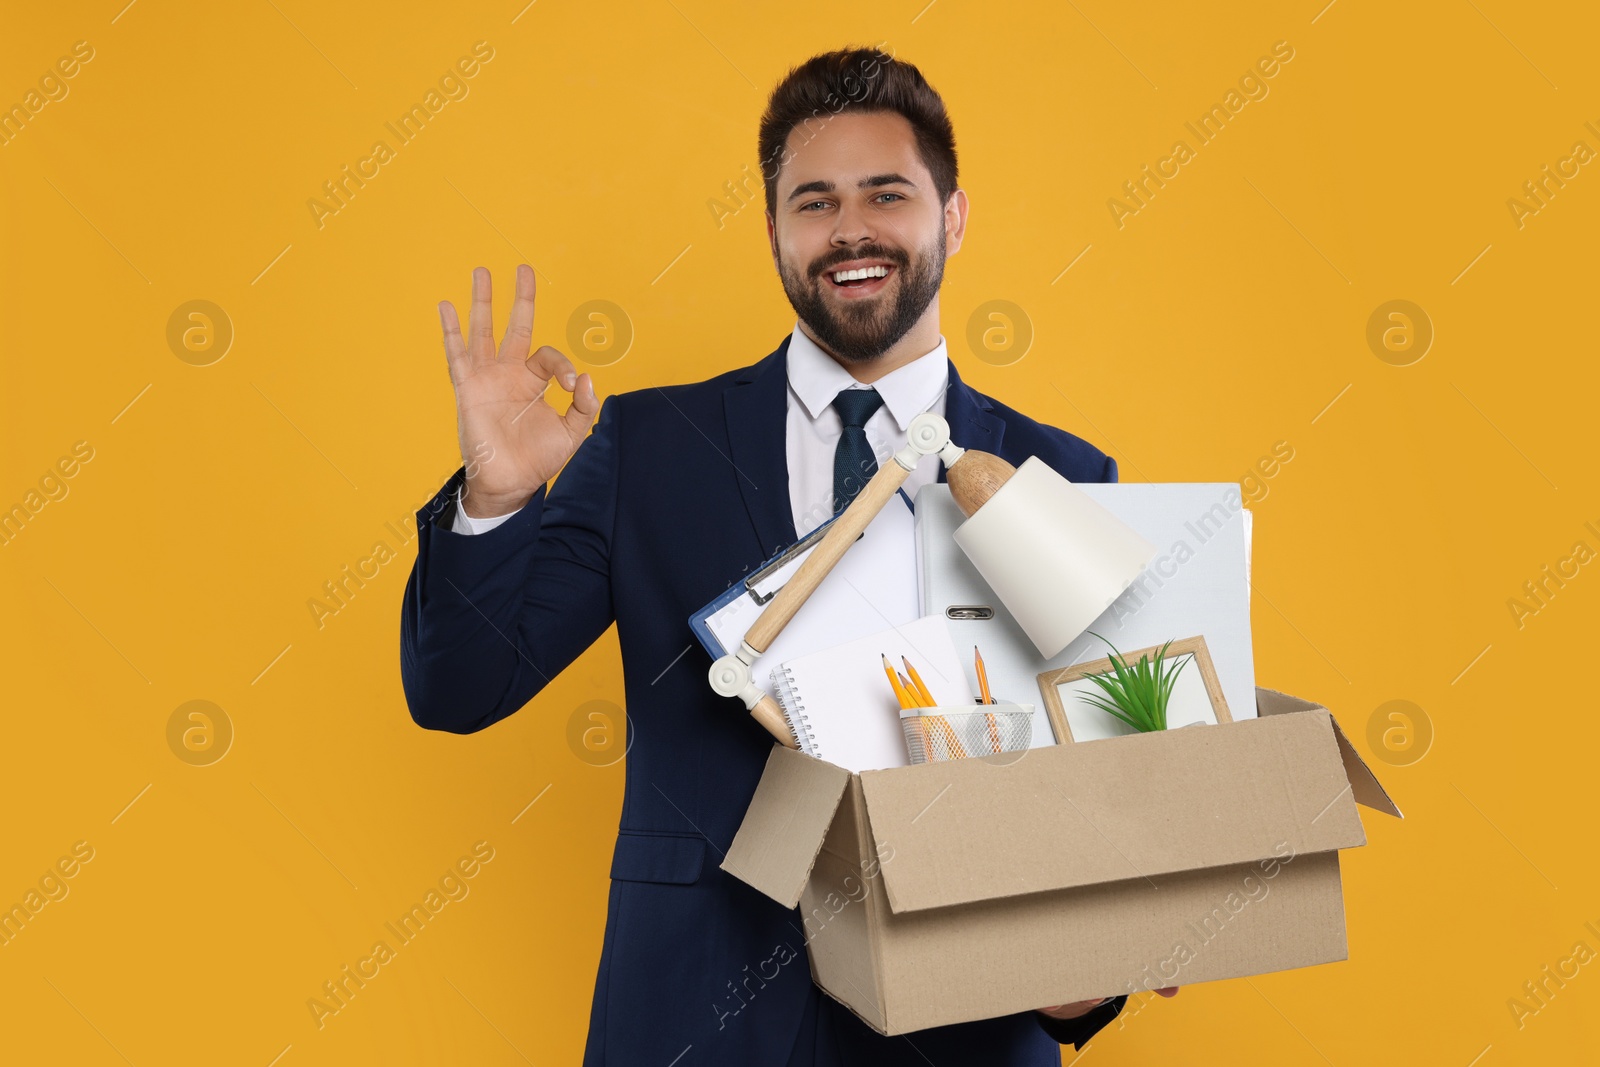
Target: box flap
{"points": [[1364, 785], [785, 825], [1109, 810]]}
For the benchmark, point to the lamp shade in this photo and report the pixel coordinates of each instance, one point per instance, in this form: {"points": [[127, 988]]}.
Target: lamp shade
{"points": [[1054, 557]]}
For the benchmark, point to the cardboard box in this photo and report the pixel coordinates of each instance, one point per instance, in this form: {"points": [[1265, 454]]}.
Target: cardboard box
{"points": [[974, 888]]}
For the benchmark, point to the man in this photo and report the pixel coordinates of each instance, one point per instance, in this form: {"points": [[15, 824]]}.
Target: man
{"points": [[675, 494]]}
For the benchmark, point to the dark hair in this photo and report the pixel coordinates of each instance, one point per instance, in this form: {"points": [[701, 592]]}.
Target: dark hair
{"points": [[870, 81]]}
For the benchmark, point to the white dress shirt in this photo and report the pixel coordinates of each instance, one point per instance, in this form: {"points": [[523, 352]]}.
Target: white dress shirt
{"points": [[814, 427]]}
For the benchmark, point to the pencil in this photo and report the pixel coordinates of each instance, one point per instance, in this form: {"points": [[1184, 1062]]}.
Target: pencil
{"points": [[912, 694], [927, 694], [988, 698], [899, 693], [983, 676]]}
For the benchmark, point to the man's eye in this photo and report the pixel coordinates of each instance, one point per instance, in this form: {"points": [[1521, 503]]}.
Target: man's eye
{"points": [[879, 197]]}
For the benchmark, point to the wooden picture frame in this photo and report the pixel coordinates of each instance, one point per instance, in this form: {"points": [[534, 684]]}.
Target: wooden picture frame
{"points": [[1050, 680]]}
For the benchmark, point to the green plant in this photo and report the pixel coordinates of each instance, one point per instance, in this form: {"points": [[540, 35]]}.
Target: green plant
{"points": [[1138, 694]]}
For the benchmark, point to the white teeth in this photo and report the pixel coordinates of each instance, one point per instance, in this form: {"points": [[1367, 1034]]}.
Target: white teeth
{"points": [[864, 272]]}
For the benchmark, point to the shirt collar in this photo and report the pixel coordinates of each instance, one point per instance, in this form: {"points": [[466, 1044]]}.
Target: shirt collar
{"points": [[907, 391]]}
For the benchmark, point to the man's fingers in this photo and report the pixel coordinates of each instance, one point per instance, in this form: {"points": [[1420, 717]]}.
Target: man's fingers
{"points": [[581, 412], [455, 346], [548, 363], [1074, 1009], [519, 331], [480, 322]]}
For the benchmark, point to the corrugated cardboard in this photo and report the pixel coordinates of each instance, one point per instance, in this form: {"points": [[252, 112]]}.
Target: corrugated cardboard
{"points": [[945, 892]]}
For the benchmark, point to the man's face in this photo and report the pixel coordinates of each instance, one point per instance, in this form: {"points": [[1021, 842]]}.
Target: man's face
{"points": [[856, 194]]}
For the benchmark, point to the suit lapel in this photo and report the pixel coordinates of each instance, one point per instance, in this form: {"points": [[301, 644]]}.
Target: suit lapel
{"points": [[973, 423], [756, 407]]}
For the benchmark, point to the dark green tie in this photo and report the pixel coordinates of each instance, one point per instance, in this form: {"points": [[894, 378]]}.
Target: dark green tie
{"points": [[853, 461]]}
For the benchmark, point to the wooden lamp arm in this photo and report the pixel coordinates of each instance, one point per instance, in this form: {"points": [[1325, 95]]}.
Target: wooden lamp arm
{"points": [[928, 434]]}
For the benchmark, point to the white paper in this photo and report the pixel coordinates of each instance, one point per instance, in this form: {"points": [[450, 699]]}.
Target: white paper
{"points": [[873, 586]]}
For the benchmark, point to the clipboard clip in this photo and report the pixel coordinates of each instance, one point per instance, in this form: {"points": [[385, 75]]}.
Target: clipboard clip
{"points": [[969, 611], [782, 560]]}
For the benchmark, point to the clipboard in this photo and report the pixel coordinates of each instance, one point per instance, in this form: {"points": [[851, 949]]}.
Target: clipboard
{"points": [[839, 596]]}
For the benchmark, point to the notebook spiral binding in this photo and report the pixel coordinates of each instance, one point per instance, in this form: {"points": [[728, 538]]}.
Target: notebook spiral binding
{"points": [[794, 709]]}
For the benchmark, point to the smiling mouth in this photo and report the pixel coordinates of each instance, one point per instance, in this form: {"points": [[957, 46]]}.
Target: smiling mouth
{"points": [[860, 282]]}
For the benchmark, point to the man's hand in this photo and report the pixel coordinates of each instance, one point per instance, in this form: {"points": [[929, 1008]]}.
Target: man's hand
{"points": [[1083, 1007], [512, 441]]}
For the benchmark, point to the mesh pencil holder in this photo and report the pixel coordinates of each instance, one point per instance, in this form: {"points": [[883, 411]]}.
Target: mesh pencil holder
{"points": [[963, 730]]}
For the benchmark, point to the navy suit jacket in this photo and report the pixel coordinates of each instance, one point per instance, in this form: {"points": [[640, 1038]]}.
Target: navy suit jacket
{"points": [[675, 494]]}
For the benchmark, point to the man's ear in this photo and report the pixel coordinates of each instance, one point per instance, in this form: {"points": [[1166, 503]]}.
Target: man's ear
{"points": [[955, 222], [772, 238]]}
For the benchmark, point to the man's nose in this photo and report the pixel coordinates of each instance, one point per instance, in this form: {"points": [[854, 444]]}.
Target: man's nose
{"points": [[854, 226]]}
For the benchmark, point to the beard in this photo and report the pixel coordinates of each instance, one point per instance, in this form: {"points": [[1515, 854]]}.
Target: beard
{"points": [[859, 331]]}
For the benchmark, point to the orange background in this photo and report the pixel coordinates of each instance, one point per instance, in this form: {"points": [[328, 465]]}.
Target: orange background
{"points": [[1228, 314]]}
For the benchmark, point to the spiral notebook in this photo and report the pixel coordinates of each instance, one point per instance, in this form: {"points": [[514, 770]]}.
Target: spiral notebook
{"points": [[839, 703]]}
